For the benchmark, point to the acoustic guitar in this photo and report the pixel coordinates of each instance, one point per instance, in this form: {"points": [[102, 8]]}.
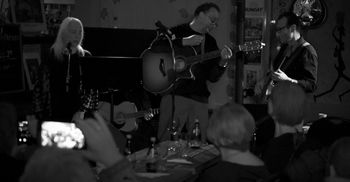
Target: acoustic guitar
{"points": [[162, 69], [125, 114]]}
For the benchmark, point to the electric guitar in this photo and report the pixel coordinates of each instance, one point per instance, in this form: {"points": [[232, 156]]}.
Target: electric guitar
{"points": [[125, 114], [283, 65], [162, 69]]}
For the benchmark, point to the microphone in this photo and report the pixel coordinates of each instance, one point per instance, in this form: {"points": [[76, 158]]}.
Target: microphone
{"points": [[68, 49], [163, 28]]}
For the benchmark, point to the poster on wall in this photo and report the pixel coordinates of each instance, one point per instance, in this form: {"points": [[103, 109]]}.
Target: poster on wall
{"points": [[253, 27], [251, 75], [11, 69], [30, 15], [254, 8]]}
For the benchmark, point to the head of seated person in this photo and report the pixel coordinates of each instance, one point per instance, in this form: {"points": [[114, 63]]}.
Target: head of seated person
{"points": [[287, 104], [57, 165], [231, 127], [339, 160]]}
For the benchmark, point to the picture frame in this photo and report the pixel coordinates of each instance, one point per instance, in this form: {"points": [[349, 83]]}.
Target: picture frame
{"points": [[251, 73], [31, 63], [30, 15]]}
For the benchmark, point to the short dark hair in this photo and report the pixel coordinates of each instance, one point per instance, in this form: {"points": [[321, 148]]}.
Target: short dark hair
{"points": [[292, 19], [205, 7]]}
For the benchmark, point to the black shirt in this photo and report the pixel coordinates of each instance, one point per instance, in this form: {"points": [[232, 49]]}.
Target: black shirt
{"points": [[205, 71], [303, 66], [64, 103]]}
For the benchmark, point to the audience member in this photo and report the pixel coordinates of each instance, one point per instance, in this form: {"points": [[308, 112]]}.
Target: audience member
{"points": [[287, 107], [310, 164], [230, 129], [53, 164], [339, 161], [11, 168]]}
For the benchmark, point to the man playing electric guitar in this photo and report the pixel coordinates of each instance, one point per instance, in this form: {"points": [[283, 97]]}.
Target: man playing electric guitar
{"points": [[296, 61], [191, 95]]}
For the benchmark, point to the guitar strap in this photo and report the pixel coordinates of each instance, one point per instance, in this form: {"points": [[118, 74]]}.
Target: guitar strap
{"points": [[287, 61]]}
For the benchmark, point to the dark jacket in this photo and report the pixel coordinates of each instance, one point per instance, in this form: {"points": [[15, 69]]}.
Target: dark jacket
{"points": [[302, 67]]}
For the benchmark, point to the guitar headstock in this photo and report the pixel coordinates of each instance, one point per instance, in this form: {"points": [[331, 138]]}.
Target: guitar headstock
{"points": [[256, 45], [150, 113]]}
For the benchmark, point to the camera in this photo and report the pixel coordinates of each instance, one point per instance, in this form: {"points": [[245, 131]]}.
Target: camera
{"points": [[62, 135]]}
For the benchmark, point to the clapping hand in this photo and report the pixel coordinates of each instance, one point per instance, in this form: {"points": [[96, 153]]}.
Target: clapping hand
{"points": [[226, 52]]}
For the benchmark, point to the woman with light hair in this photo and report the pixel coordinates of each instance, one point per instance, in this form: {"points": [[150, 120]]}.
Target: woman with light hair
{"points": [[58, 89], [230, 129]]}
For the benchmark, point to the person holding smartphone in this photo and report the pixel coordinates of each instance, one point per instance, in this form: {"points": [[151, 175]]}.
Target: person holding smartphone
{"points": [[73, 164]]}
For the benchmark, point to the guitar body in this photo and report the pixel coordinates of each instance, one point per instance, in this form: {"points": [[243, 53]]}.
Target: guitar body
{"points": [[127, 124], [162, 69], [125, 115], [163, 64]]}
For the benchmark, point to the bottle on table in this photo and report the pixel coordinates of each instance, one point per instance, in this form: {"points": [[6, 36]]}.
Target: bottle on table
{"points": [[174, 138], [128, 148], [195, 140], [152, 156]]}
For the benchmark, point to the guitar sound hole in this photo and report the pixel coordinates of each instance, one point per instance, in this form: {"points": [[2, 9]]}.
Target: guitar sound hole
{"points": [[179, 65]]}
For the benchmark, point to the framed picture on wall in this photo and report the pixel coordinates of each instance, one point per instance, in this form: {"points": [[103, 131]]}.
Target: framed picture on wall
{"points": [[31, 62], [29, 14], [251, 75]]}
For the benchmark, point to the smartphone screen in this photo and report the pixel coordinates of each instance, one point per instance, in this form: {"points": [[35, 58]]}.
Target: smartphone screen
{"points": [[62, 135]]}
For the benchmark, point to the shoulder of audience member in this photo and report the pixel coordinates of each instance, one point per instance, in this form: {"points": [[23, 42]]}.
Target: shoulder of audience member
{"points": [[120, 171]]}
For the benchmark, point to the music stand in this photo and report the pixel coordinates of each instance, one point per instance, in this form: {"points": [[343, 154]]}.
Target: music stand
{"points": [[110, 74]]}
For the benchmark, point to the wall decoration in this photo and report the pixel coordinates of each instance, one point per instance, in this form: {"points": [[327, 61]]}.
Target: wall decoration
{"points": [[338, 33], [251, 75], [30, 14], [313, 13]]}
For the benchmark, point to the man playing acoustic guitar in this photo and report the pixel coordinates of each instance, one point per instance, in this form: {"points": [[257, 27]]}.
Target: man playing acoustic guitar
{"points": [[191, 95], [296, 60]]}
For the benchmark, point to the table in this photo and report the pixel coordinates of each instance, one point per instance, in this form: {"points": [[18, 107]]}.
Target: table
{"points": [[199, 159]]}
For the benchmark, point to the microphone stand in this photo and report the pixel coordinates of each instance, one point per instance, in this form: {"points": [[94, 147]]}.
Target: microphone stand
{"points": [[162, 30], [68, 70]]}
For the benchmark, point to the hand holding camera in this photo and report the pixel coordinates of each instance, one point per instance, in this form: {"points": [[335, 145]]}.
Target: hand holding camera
{"points": [[100, 143]]}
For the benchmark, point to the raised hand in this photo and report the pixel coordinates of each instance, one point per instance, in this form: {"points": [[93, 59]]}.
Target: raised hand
{"points": [[226, 52], [101, 146]]}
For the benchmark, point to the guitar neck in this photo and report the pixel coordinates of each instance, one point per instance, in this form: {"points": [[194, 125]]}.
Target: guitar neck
{"points": [[203, 57], [138, 114], [209, 55]]}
